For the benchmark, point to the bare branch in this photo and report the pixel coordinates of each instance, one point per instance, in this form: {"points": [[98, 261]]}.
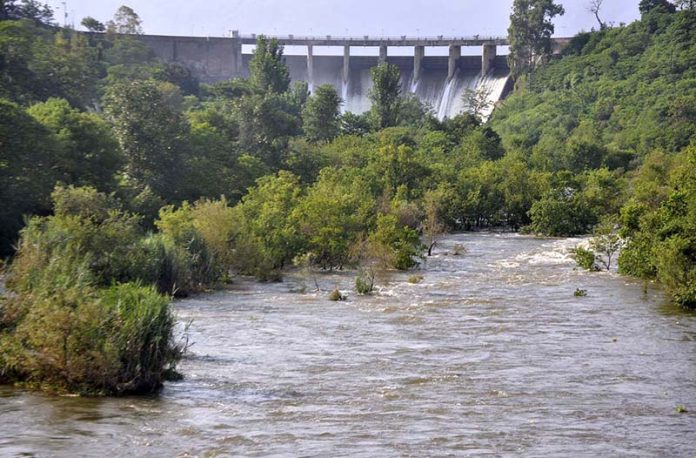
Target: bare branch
{"points": [[595, 7]]}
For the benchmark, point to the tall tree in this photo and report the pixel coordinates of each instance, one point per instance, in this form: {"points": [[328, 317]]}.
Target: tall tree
{"points": [[530, 33], [268, 72], [152, 132], [89, 153], [595, 8], [385, 94], [28, 161], [125, 21], [321, 114]]}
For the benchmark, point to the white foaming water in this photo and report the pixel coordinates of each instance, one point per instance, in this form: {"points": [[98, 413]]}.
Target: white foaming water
{"points": [[414, 86], [445, 100]]}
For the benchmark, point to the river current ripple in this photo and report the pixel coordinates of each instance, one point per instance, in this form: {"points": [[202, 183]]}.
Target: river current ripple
{"points": [[490, 355]]}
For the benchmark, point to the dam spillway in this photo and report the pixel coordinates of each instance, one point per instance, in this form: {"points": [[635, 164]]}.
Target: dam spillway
{"points": [[432, 86], [438, 81]]}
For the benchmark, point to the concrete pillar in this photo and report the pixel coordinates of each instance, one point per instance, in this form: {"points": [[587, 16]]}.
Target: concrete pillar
{"points": [[455, 52], [237, 63], [488, 58], [383, 53], [418, 55], [346, 63], [310, 66]]}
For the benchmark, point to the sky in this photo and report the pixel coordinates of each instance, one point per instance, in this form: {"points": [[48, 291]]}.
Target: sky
{"points": [[337, 17]]}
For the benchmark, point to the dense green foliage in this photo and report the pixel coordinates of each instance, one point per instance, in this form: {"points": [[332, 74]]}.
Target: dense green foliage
{"points": [[614, 96], [659, 223]]}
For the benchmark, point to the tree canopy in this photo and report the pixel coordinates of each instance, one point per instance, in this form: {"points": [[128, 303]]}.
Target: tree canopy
{"points": [[530, 33]]}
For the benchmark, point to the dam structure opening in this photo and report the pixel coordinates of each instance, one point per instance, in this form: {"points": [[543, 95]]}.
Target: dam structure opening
{"points": [[439, 81]]}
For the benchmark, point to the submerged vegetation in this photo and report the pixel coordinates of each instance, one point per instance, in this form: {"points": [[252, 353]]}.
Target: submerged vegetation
{"points": [[125, 181]]}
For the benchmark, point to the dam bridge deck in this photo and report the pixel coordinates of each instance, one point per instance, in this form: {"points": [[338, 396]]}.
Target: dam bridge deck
{"points": [[367, 41]]}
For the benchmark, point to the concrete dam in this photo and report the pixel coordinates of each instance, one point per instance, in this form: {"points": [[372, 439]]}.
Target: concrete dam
{"points": [[438, 81]]}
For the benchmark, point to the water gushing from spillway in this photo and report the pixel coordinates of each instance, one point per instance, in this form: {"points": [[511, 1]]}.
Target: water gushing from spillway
{"points": [[444, 96]]}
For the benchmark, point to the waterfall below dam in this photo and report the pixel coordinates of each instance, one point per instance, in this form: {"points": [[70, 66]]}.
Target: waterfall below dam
{"points": [[444, 96]]}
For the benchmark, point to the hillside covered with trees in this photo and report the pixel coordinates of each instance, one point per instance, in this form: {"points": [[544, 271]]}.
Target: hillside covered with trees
{"points": [[125, 181]]}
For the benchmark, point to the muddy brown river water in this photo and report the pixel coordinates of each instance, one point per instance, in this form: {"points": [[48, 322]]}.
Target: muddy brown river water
{"points": [[490, 355]]}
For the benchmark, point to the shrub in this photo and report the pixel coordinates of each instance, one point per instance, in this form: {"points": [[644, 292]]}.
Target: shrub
{"points": [[197, 239], [336, 295], [584, 258], [559, 214], [365, 281], [458, 249], [414, 279], [399, 245]]}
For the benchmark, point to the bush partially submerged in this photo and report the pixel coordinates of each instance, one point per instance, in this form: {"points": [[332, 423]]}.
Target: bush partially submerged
{"points": [[584, 258], [365, 281], [61, 332], [336, 295]]}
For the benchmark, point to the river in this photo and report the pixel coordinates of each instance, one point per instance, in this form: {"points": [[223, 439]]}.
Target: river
{"points": [[490, 355]]}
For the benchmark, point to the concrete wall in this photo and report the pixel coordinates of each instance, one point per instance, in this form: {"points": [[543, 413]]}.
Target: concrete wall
{"points": [[210, 59], [217, 59]]}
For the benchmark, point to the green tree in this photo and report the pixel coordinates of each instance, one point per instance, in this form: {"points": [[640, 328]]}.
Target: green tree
{"points": [[606, 242], [266, 123], [646, 6], [90, 154], [268, 72], [659, 228], [267, 237], [28, 160], [530, 32], [399, 246], [72, 323], [321, 114], [478, 102], [152, 132], [36, 64], [385, 94], [92, 25], [433, 225], [125, 21], [337, 209], [560, 213], [355, 124]]}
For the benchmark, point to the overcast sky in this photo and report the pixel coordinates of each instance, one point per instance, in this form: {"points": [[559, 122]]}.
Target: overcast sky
{"points": [[336, 17]]}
